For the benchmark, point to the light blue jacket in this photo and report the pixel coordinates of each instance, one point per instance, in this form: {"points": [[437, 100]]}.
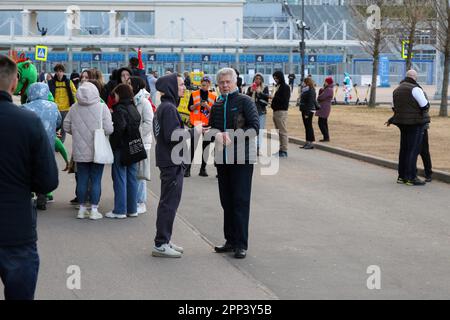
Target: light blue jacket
{"points": [[46, 110]]}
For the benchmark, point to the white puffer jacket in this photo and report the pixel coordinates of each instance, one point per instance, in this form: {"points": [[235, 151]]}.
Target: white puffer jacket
{"points": [[83, 119], [145, 110]]}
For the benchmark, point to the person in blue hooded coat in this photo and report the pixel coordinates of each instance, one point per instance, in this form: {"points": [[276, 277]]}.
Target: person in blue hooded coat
{"points": [[47, 111]]}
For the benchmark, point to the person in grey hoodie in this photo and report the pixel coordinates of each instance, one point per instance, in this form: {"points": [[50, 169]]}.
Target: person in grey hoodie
{"points": [[166, 121], [84, 117], [48, 112]]}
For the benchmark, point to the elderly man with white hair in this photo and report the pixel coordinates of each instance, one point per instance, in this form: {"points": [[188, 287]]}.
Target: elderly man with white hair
{"points": [[411, 116], [234, 118]]}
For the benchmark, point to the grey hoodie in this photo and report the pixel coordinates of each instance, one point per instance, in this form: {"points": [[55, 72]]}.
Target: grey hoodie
{"points": [[84, 117]]}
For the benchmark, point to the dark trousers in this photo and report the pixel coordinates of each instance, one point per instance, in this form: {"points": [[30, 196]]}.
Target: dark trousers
{"points": [[171, 188], [307, 122], [323, 125], [19, 267], [235, 185], [63, 133], [425, 155], [411, 137], [205, 144]]}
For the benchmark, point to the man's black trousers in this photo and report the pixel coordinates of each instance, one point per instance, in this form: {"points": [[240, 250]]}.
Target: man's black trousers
{"points": [[235, 185], [411, 137], [171, 188]]}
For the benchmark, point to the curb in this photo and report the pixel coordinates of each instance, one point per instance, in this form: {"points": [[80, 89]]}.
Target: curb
{"points": [[437, 175]]}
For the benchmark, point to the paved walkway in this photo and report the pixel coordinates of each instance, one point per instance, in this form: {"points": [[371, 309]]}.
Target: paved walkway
{"points": [[315, 228]]}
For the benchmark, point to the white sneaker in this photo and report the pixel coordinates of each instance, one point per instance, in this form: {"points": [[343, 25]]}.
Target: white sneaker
{"points": [[133, 215], [112, 215], [141, 208], [176, 248], [95, 215], [165, 251], [83, 212]]}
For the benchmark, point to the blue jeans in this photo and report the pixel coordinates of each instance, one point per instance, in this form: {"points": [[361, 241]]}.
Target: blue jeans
{"points": [[262, 125], [410, 144], [125, 185], [142, 191], [89, 174], [19, 268]]}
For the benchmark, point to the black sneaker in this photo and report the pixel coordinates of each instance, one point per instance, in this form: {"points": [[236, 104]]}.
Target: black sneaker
{"points": [[401, 180], [187, 173], [415, 182], [41, 207], [50, 199], [203, 173], [74, 201], [428, 179]]}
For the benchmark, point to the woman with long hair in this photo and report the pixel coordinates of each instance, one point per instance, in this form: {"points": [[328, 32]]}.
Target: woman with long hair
{"points": [[307, 108]]}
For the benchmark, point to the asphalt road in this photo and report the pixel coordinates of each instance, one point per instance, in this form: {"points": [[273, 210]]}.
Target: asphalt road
{"points": [[315, 228]]}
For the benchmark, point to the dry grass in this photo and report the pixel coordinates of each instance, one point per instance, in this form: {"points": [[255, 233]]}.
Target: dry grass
{"points": [[362, 129]]}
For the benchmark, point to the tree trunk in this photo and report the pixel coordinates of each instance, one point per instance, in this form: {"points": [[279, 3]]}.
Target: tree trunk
{"points": [[375, 67], [411, 43], [443, 112]]}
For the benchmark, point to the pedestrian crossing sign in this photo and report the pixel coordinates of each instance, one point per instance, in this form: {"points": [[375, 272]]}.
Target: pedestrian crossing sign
{"points": [[41, 53]]}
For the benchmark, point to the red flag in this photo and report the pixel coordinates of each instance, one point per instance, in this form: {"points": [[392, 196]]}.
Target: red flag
{"points": [[141, 63]]}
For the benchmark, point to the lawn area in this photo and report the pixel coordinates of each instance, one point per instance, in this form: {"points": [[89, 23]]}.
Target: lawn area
{"points": [[362, 129]]}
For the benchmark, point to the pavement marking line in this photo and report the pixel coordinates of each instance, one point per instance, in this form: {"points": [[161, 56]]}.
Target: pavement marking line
{"points": [[197, 232]]}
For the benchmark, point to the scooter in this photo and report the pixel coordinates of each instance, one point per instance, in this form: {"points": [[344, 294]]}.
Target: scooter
{"points": [[334, 101]]}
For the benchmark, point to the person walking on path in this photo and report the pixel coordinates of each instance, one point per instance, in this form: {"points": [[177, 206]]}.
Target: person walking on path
{"points": [[280, 106], [27, 164], [166, 121], [64, 92], [307, 108], [325, 97], [48, 112], [411, 116], [145, 110], [260, 95], [84, 117], [234, 167]]}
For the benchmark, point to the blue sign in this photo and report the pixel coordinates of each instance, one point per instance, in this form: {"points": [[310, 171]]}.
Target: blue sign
{"points": [[206, 57], [312, 59], [151, 57], [259, 58], [96, 56], [383, 72]]}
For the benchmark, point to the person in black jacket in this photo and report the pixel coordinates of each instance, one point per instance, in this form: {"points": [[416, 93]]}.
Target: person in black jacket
{"points": [[166, 121], [125, 117], [27, 164], [280, 106], [260, 94], [232, 116], [307, 108], [135, 71]]}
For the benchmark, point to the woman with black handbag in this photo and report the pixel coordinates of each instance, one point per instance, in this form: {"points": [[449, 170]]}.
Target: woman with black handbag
{"points": [[128, 149]]}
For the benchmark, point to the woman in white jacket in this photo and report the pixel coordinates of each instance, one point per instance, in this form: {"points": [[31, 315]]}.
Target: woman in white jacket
{"points": [[144, 107], [84, 117]]}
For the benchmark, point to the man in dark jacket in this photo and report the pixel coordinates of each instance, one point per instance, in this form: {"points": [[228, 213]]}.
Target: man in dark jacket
{"points": [[27, 164], [280, 106], [166, 121], [136, 72], [233, 116], [411, 116]]}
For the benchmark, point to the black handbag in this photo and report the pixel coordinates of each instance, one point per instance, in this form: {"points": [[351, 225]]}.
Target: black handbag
{"points": [[133, 149]]}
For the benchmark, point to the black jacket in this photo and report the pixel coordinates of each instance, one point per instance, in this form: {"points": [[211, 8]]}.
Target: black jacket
{"points": [[167, 120], [236, 111], [406, 109], [141, 73], [125, 116], [308, 100], [27, 164], [280, 101], [261, 99]]}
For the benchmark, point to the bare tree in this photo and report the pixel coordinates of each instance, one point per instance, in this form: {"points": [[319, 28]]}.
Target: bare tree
{"points": [[442, 8], [371, 33], [413, 13]]}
